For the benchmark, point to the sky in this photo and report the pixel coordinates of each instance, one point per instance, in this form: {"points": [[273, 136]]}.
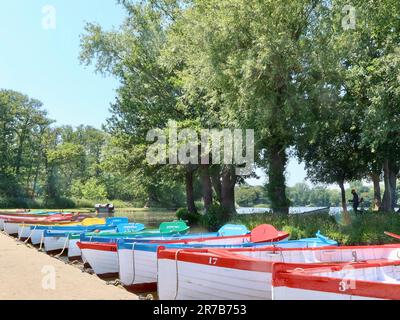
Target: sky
{"points": [[39, 50]]}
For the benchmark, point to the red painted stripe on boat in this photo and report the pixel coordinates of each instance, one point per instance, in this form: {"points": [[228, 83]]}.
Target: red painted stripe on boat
{"points": [[218, 258], [112, 247], [286, 275]]}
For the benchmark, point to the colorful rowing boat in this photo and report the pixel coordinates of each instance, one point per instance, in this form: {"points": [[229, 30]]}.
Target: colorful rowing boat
{"points": [[166, 229], [34, 231], [7, 216], [369, 280], [54, 240], [11, 224], [246, 274], [103, 256], [138, 261]]}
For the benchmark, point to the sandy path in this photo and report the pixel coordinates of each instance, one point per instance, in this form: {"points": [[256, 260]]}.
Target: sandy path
{"points": [[27, 274]]}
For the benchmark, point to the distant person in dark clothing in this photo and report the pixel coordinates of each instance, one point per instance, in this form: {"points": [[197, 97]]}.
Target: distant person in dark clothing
{"points": [[355, 201]]}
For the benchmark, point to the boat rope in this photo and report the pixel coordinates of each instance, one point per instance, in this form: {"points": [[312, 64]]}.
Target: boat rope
{"points": [[133, 263], [158, 272], [30, 235], [177, 274], [64, 247], [20, 234], [41, 241]]}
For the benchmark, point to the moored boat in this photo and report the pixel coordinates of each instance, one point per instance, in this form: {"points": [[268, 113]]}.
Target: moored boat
{"points": [[245, 274], [11, 224], [34, 232], [138, 261], [166, 229], [7, 216], [57, 238], [103, 256], [74, 252], [369, 280]]}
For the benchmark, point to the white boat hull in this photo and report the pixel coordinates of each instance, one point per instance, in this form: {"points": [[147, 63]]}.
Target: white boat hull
{"points": [[1, 224], [37, 237], [103, 263], [55, 243], [74, 252], [137, 267], [24, 231], [201, 282], [11, 228]]}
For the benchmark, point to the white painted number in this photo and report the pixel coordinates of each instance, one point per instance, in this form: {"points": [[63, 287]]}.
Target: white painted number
{"points": [[213, 261]]}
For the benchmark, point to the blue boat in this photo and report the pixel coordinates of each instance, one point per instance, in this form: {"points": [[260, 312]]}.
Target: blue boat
{"points": [[57, 237]]}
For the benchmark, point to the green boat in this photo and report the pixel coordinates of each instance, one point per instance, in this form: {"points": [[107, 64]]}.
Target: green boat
{"points": [[166, 229]]}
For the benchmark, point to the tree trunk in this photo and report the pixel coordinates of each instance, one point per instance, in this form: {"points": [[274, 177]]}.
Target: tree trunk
{"points": [[207, 187], [277, 182], [377, 191], [387, 196], [19, 154], [393, 172], [346, 216], [189, 192], [216, 182], [228, 191]]}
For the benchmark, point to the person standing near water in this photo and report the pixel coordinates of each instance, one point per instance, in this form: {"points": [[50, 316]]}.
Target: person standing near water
{"points": [[355, 201]]}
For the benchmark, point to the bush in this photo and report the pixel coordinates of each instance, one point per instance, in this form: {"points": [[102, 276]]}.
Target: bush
{"points": [[59, 203], [191, 218], [118, 204], [84, 203], [215, 217], [18, 203]]}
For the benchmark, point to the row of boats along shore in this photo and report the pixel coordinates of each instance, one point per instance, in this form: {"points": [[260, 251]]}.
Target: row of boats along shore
{"points": [[232, 264]]}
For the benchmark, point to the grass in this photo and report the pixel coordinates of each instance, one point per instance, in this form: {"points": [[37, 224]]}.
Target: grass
{"points": [[366, 229]]}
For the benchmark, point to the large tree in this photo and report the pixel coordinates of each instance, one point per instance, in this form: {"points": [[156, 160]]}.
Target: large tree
{"points": [[242, 60]]}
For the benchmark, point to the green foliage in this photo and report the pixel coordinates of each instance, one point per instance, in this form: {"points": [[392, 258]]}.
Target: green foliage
{"points": [[93, 189], [191, 218], [59, 203], [83, 203], [214, 218], [365, 229], [248, 196]]}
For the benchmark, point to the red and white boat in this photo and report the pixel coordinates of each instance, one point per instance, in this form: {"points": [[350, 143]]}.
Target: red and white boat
{"points": [[105, 259], [369, 280], [246, 274], [5, 216], [11, 223]]}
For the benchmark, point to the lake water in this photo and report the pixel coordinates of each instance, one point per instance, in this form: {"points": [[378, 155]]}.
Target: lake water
{"points": [[292, 210]]}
